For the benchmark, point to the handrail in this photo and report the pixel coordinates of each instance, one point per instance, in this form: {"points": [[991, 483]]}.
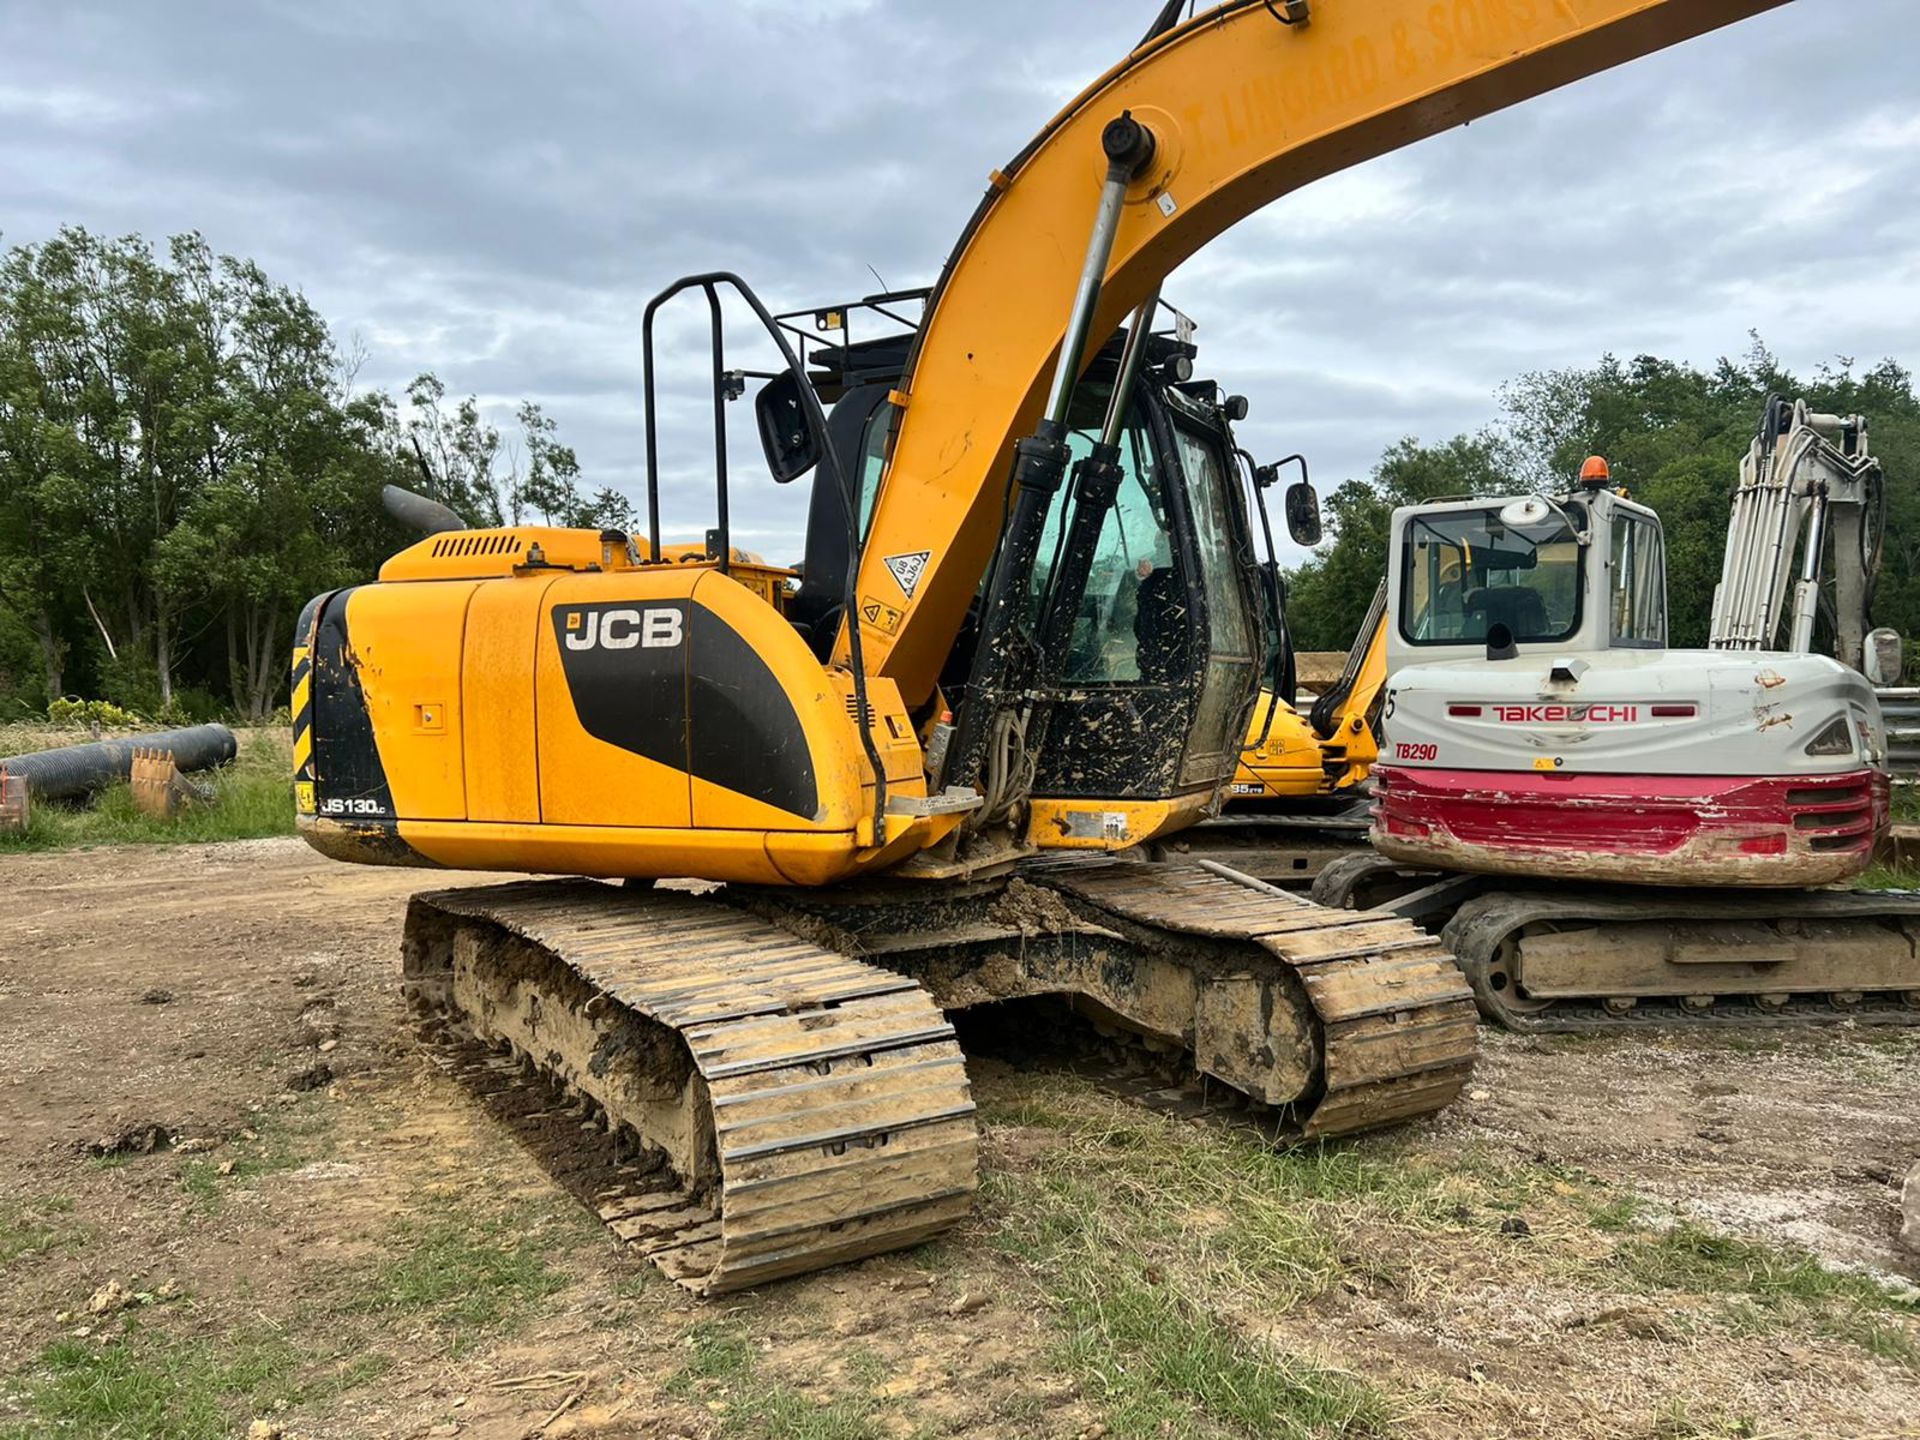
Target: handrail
{"points": [[709, 283]]}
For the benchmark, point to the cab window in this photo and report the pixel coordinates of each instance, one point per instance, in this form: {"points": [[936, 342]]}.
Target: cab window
{"points": [[1638, 583], [1133, 566], [873, 460], [1464, 571]]}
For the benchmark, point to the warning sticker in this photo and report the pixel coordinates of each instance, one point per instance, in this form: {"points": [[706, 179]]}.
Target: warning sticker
{"points": [[907, 569], [881, 617]]}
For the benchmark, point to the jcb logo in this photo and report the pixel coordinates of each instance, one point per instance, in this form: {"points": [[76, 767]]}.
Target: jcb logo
{"points": [[622, 629]]}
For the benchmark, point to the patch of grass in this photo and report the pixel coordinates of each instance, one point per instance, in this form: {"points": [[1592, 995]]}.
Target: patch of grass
{"points": [[253, 798], [1574, 1041], [1147, 1237], [1679, 1421], [465, 1273], [1165, 1367], [1904, 803], [286, 1139], [867, 1366], [721, 1370], [1622, 1212], [717, 1350], [1266, 1221], [1888, 877], [33, 1227], [1768, 1288], [351, 1374], [1166, 1252], [1161, 1364], [1759, 1043], [159, 1386]]}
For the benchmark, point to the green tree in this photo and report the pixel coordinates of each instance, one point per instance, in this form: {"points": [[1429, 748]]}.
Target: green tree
{"points": [[1674, 436], [184, 460], [494, 480], [1327, 597]]}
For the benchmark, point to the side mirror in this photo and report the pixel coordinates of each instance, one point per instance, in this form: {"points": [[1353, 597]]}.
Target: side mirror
{"points": [[791, 447], [1884, 660], [1302, 507]]}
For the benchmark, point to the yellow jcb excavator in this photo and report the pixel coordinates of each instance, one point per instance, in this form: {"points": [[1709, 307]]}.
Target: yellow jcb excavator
{"points": [[564, 701], [1329, 748]]}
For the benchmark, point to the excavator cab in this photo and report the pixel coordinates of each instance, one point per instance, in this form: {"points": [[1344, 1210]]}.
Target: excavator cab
{"points": [[1469, 572], [1163, 646], [1156, 623]]}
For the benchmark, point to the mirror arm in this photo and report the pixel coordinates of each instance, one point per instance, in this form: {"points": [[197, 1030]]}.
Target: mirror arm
{"points": [[1270, 573]]}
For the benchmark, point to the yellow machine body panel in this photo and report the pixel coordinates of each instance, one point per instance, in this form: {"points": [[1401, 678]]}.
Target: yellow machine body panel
{"points": [[1283, 759], [1299, 756], [502, 738], [1055, 824], [623, 719], [409, 664]]}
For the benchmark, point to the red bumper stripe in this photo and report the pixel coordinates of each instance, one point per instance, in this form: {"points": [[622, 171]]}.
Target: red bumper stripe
{"points": [[1496, 819]]}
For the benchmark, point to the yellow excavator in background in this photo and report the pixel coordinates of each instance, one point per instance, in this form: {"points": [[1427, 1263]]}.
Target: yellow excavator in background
{"points": [[914, 781], [1328, 750], [1298, 801]]}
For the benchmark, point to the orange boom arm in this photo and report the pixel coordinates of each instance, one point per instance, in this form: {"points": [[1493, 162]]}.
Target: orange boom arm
{"points": [[1243, 109]]}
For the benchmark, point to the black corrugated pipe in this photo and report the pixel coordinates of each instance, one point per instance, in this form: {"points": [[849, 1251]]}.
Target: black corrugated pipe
{"points": [[77, 769]]}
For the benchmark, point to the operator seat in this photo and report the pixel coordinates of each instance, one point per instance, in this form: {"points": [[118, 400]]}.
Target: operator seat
{"points": [[1521, 610], [1161, 629]]}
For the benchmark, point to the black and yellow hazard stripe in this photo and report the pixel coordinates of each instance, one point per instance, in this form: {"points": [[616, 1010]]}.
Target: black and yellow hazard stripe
{"points": [[302, 708]]}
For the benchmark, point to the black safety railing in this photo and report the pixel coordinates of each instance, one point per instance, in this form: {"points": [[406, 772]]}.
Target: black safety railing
{"points": [[812, 326], [728, 385]]}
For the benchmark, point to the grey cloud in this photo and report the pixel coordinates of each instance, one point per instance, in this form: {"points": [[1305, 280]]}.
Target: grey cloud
{"points": [[493, 192]]}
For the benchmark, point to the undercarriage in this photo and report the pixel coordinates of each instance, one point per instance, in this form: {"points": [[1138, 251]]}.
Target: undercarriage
{"points": [[781, 1065], [1544, 956]]}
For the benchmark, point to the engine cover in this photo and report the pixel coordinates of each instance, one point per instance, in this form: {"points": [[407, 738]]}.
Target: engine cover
{"points": [[1652, 767]]}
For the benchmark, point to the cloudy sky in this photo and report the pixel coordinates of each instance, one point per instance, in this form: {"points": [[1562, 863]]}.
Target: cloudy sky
{"points": [[493, 191]]}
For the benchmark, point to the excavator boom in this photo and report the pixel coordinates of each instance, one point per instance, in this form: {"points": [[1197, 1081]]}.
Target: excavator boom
{"points": [[1243, 109]]}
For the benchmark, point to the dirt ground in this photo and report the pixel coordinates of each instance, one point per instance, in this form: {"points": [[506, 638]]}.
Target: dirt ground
{"points": [[234, 1188]]}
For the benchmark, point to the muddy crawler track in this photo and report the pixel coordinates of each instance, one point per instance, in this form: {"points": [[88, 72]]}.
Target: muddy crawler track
{"points": [[791, 1106], [1733, 958], [808, 1109], [1390, 1018]]}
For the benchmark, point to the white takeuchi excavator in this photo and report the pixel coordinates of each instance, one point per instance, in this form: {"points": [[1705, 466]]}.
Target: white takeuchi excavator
{"points": [[1606, 830]]}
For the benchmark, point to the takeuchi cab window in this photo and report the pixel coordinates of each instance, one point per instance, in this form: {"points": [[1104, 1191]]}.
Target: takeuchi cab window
{"points": [[1464, 571]]}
